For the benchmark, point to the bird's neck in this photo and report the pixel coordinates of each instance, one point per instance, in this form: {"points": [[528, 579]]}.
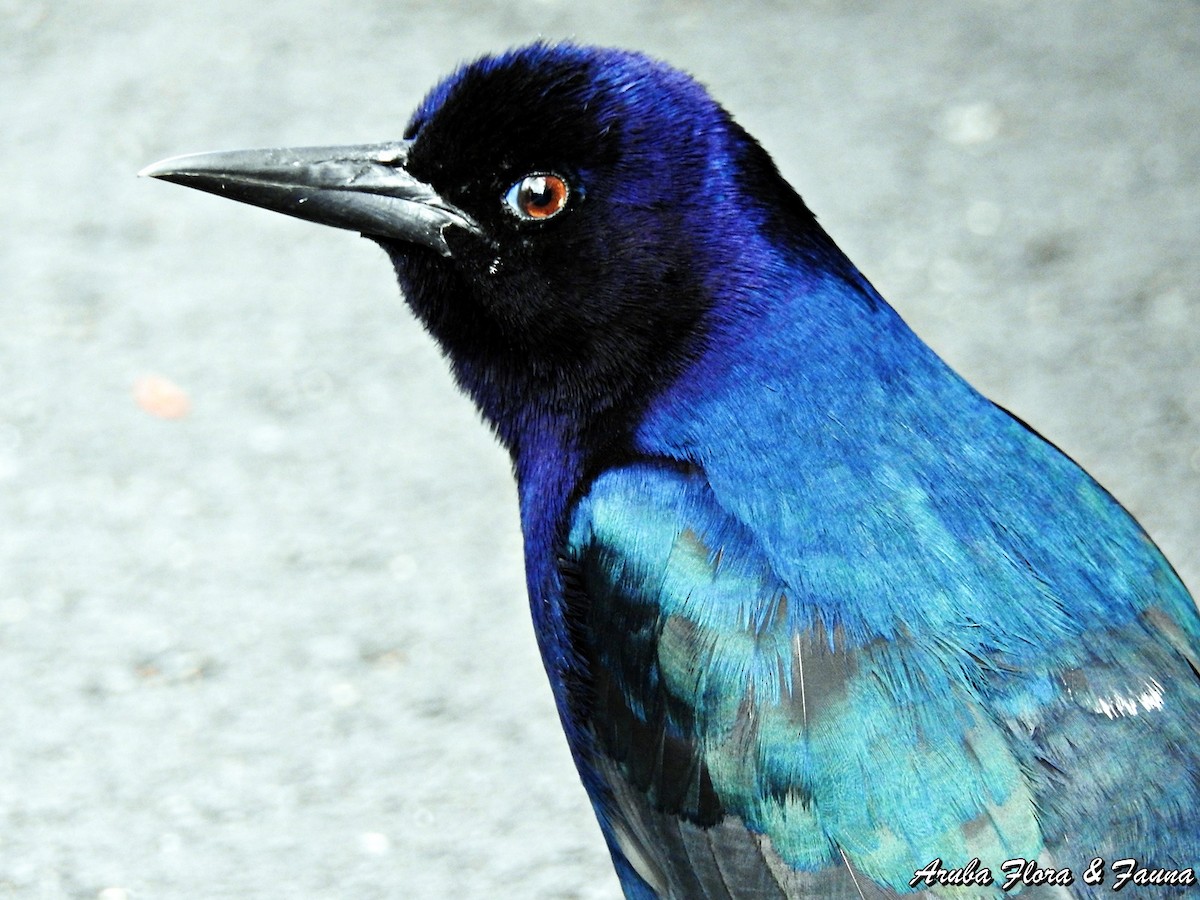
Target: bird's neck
{"points": [[808, 354]]}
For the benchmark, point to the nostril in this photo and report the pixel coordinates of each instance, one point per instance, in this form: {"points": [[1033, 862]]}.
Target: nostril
{"points": [[396, 155]]}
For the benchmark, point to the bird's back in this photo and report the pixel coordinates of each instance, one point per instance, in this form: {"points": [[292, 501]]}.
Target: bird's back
{"points": [[826, 654]]}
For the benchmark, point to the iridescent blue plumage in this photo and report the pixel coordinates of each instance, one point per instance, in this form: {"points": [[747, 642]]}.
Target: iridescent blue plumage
{"points": [[889, 622], [815, 613]]}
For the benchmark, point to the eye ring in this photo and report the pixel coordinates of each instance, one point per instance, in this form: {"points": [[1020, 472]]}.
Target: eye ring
{"points": [[538, 196]]}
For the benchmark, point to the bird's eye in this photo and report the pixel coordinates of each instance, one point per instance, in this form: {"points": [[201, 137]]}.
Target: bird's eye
{"points": [[537, 197]]}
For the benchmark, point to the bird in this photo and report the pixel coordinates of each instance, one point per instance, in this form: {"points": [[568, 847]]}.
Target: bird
{"points": [[819, 619]]}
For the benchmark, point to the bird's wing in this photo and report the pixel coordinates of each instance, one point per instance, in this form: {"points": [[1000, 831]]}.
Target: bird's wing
{"points": [[1108, 730], [751, 750]]}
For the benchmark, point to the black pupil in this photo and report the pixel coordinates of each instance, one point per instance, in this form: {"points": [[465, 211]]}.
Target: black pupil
{"points": [[537, 193]]}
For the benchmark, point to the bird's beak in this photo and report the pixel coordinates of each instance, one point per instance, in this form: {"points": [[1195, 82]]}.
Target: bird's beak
{"points": [[363, 188]]}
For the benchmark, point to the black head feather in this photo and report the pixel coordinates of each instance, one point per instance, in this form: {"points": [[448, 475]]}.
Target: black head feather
{"points": [[577, 318]]}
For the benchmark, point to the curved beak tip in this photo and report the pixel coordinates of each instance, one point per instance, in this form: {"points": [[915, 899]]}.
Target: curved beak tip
{"points": [[154, 170], [172, 165]]}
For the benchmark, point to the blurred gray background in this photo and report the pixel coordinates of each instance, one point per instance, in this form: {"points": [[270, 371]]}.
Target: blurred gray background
{"points": [[277, 645]]}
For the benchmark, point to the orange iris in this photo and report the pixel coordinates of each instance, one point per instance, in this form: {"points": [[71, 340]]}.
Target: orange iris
{"points": [[541, 196]]}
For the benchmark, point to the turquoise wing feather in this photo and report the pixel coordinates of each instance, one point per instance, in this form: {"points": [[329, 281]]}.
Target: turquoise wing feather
{"points": [[748, 735]]}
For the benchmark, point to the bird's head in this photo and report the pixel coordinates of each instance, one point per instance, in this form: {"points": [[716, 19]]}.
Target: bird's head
{"points": [[567, 221]]}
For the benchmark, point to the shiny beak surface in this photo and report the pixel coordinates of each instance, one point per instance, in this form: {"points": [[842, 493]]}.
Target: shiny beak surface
{"points": [[363, 188]]}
